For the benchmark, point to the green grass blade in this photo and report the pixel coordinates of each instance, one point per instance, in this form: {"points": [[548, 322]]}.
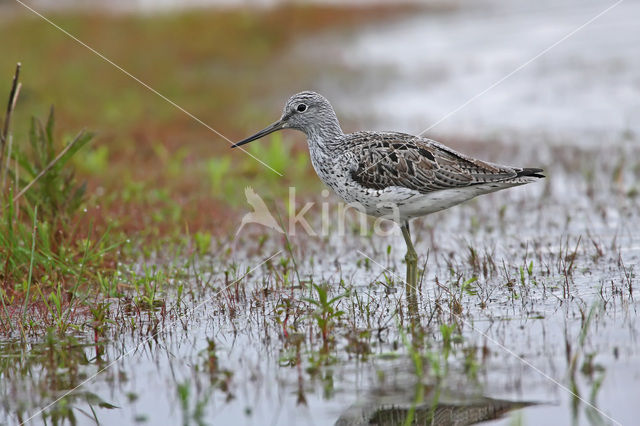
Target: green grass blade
{"points": [[77, 143], [33, 249]]}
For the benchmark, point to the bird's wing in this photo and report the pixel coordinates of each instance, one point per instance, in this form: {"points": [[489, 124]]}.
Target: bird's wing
{"points": [[382, 160]]}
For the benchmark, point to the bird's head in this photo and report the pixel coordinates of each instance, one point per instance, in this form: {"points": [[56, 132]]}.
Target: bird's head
{"points": [[307, 111]]}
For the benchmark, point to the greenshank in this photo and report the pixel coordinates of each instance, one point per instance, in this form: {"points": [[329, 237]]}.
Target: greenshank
{"points": [[390, 174]]}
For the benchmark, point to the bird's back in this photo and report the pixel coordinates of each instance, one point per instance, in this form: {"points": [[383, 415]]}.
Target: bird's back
{"points": [[390, 159]]}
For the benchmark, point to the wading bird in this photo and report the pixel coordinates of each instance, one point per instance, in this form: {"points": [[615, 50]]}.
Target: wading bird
{"points": [[389, 174]]}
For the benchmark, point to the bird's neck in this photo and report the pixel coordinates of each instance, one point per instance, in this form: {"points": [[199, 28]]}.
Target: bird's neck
{"points": [[325, 136]]}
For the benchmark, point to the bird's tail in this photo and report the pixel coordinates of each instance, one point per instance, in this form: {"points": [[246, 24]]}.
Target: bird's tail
{"points": [[530, 172]]}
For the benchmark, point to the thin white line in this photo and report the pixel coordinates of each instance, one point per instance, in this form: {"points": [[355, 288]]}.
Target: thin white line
{"points": [[501, 346], [153, 336], [145, 85], [476, 96]]}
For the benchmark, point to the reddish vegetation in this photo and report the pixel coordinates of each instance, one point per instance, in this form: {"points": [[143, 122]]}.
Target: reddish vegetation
{"points": [[220, 65]]}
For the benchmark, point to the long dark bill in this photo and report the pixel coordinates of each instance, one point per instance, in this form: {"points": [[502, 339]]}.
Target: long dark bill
{"points": [[264, 132]]}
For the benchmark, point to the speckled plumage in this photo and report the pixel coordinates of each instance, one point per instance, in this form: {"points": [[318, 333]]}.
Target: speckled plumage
{"points": [[389, 174], [392, 174]]}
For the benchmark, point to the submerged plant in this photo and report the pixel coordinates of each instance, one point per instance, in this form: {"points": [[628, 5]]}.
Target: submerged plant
{"points": [[326, 312]]}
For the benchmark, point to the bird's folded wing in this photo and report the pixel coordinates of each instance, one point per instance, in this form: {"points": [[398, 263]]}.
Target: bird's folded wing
{"points": [[397, 159]]}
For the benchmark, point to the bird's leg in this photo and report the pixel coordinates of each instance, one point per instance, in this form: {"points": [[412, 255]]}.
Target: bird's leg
{"points": [[411, 258]]}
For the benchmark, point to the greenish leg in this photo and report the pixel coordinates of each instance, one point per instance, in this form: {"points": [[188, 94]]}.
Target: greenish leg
{"points": [[411, 258]]}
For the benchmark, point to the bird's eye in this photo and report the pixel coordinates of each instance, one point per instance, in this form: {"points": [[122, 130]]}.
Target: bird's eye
{"points": [[301, 108]]}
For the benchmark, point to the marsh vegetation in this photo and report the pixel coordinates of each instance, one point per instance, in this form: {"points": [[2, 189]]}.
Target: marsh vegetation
{"points": [[127, 296]]}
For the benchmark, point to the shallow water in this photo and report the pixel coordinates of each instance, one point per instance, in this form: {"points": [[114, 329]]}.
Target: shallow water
{"points": [[515, 335], [510, 70], [530, 295]]}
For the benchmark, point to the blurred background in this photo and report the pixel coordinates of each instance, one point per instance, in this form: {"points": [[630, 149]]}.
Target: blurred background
{"points": [[552, 84], [472, 73]]}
